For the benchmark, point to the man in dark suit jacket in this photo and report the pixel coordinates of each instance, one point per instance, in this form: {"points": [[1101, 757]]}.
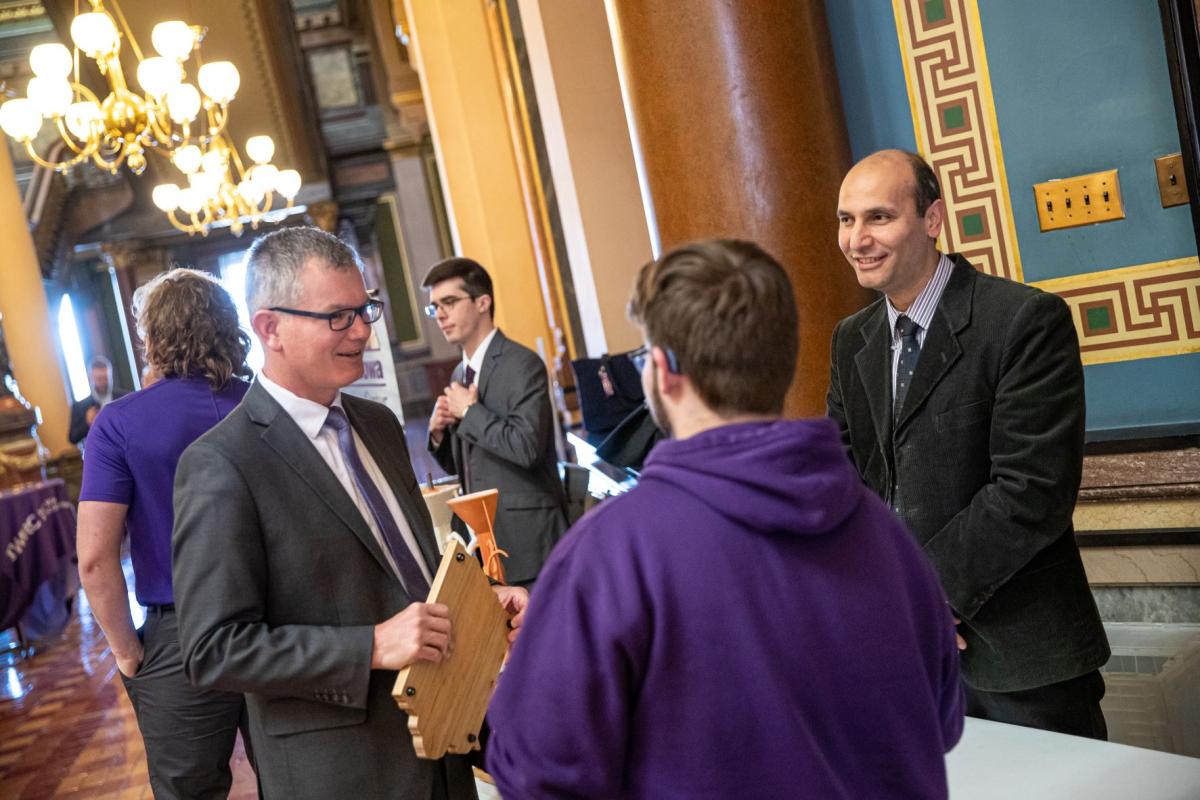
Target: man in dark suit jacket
{"points": [[960, 400], [303, 550], [494, 425], [83, 412]]}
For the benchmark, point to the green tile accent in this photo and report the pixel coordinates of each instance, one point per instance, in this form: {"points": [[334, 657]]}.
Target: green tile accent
{"points": [[953, 118], [935, 10], [972, 224], [1098, 320]]}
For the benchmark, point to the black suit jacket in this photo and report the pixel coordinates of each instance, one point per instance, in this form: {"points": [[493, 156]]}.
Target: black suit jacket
{"points": [[988, 454], [278, 584], [507, 440], [79, 424]]}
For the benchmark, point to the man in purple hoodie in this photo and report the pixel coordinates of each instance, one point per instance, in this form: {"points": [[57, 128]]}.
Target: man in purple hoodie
{"points": [[750, 620]]}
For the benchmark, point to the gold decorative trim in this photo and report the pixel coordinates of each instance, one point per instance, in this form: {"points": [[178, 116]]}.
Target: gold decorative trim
{"points": [[954, 118], [1144, 311]]}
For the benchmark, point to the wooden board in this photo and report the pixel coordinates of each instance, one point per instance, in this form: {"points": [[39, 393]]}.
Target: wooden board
{"points": [[446, 702]]}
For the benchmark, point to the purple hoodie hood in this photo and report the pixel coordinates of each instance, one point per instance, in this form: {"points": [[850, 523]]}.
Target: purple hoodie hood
{"points": [[788, 477]]}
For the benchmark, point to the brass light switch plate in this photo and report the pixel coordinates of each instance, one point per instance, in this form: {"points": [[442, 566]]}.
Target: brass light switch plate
{"points": [[1172, 188], [1082, 200]]}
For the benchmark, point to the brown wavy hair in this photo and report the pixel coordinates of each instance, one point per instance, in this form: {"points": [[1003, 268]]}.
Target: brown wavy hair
{"points": [[189, 328]]}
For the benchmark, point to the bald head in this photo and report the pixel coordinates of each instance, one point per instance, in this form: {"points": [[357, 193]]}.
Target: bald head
{"points": [[924, 183]]}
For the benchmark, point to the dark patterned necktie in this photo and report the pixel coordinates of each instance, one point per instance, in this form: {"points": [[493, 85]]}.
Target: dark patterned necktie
{"points": [[910, 351], [406, 563], [468, 376]]}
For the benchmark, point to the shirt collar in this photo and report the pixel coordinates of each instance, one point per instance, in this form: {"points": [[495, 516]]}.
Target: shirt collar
{"points": [[308, 415], [475, 362], [922, 309]]}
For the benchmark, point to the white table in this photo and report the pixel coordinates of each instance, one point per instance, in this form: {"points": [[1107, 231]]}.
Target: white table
{"points": [[994, 760]]}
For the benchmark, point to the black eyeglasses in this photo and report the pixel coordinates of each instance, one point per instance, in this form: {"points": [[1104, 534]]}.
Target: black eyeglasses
{"points": [[343, 318], [639, 356], [447, 303]]}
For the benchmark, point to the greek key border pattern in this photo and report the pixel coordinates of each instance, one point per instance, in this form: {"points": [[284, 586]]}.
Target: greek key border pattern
{"points": [[950, 94], [1136, 312]]}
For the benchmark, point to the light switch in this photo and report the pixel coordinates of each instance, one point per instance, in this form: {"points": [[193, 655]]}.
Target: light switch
{"points": [[1172, 188], [1082, 200]]}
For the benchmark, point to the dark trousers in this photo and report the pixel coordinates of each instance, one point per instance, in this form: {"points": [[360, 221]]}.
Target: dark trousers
{"points": [[1071, 706], [189, 733]]}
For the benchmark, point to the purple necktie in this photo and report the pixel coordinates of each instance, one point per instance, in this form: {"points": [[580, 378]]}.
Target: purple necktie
{"points": [[406, 564], [468, 376]]}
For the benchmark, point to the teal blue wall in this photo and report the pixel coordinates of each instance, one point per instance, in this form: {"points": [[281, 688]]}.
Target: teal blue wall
{"points": [[1079, 86]]}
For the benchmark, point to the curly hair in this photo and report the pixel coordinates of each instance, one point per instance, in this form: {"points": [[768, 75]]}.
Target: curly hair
{"points": [[189, 327]]}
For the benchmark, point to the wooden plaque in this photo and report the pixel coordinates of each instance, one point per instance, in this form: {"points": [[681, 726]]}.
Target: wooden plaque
{"points": [[446, 702]]}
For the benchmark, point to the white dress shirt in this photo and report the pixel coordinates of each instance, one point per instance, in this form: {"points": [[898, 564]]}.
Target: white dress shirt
{"points": [[475, 362], [921, 311], [310, 417]]}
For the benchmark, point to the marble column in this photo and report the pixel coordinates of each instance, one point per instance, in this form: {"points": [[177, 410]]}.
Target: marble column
{"points": [[29, 329], [735, 115]]}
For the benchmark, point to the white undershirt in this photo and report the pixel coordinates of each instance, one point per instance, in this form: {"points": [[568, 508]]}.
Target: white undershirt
{"points": [[310, 417]]}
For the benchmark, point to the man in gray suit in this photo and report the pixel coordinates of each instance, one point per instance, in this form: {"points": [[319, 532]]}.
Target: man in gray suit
{"points": [[302, 548], [960, 400], [493, 425]]}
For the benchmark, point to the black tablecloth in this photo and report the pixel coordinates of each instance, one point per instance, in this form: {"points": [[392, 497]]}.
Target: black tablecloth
{"points": [[37, 544]]}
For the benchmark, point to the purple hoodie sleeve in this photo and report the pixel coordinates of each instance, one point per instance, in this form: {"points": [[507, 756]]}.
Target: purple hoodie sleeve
{"points": [[952, 703], [561, 713]]}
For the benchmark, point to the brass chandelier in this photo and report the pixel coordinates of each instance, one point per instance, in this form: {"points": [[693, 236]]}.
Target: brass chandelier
{"points": [[171, 116]]}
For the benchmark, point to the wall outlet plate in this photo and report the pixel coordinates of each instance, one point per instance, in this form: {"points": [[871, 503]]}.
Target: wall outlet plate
{"points": [[1172, 187], [1082, 200]]}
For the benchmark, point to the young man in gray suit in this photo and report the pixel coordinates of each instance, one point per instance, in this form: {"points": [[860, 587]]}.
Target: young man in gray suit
{"points": [[493, 425], [960, 400], [303, 550]]}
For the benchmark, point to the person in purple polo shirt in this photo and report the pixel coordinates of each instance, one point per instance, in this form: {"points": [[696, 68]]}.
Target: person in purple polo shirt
{"points": [[750, 620], [189, 326]]}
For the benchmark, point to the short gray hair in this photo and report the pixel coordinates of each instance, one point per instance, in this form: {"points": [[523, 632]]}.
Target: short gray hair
{"points": [[275, 261]]}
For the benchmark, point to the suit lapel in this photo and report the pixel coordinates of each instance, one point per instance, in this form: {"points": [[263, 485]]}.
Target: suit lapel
{"points": [[283, 435], [493, 355], [390, 460], [874, 365], [941, 348]]}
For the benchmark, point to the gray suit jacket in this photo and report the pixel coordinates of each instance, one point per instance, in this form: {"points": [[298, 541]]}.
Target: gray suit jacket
{"points": [[988, 455], [278, 584], [507, 442]]}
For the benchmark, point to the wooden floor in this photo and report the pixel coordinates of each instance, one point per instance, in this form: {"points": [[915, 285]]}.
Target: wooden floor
{"points": [[74, 734]]}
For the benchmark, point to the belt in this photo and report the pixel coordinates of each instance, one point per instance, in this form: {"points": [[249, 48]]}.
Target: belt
{"points": [[161, 609]]}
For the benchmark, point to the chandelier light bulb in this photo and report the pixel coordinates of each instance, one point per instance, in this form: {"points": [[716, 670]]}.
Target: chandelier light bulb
{"points": [[95, 34], [183, 102], [260, 149], [166, 196], [287, 183], [188, 159], [263, 177], [191, 200], [214, 161], [159, 75], [80, 117], [219, 80], [51, 96], [208, 184], [51, 61], [20, 119], [173, 39], [251, 193]]}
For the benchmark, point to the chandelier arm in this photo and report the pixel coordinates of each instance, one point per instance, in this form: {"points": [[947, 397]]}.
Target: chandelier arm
{"points": [[103, 163], [189, 230], [137, 51], [69, 140], [237, 159], [217, 119], [58, 166], [163, 136]]}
